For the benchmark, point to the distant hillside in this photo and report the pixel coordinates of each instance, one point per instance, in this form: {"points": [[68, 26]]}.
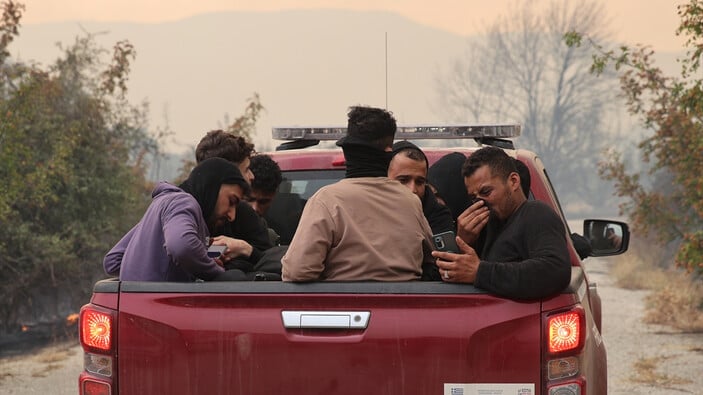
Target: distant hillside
{"points": [[307, 66]]}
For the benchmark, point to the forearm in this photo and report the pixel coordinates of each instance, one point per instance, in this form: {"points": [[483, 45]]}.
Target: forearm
{"points": [[530, 279], [303, 261], [112, 262]]}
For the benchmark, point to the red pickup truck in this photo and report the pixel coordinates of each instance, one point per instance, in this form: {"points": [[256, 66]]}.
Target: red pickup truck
{"points": [[265, 337]]}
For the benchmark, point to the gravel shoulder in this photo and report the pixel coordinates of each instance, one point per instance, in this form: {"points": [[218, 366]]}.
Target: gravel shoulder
{"points": [[642, 358], [50, 370]]}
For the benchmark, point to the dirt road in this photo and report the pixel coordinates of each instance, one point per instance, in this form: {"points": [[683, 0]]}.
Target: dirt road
{"points": [[642, 359]]}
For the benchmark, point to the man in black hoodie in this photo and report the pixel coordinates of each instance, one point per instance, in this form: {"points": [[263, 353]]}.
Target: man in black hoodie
{"points": [[248, 229], [409, 167], [445, 176], [525, 254]]}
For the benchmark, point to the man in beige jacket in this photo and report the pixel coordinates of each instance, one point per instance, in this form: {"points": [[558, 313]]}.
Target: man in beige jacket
{"points": [[366, 226]]}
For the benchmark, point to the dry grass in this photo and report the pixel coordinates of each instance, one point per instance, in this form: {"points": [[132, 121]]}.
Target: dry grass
{"points": [[44, 371], [55, 355], [5, 375], [631, 272], [645, 371], [678, 304], [676, 299]]}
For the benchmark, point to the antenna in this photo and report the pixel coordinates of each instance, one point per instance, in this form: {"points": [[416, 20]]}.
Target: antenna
{"points": [[386, 70]]}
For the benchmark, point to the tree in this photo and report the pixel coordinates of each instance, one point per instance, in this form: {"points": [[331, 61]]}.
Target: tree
{"points": [[521, 71], [73, 178], [244, 126], [671, 108]]}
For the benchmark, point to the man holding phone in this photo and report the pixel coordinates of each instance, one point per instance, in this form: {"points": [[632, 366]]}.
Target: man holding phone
{"points": [[171, 240], [246, 237], [524, 254]]}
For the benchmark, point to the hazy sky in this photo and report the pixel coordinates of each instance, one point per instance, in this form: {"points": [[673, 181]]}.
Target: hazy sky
{"points": [[650, 22]]}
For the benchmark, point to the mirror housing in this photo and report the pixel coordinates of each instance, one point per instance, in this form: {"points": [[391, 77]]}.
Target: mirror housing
{"points": [[606, 237]]}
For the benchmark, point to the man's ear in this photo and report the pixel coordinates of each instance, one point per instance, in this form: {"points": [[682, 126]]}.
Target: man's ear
{"points": [[514, 181]]}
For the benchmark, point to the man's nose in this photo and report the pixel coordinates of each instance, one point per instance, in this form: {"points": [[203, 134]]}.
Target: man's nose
{"points": [[231, 213]]}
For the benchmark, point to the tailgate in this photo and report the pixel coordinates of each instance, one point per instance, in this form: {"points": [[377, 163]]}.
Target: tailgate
{"points": [[229, 338]]}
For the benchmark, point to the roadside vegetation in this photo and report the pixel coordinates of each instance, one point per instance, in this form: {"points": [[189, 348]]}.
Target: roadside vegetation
{"points": [[74, 154], [72, 151], [665, 203], [676, 296]]}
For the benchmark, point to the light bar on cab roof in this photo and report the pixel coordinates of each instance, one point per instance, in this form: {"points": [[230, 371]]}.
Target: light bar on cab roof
{"points": [[403, 133]]}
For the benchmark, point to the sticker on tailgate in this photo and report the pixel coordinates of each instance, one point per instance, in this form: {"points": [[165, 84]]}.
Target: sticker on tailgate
{"points": [[488, 389]]}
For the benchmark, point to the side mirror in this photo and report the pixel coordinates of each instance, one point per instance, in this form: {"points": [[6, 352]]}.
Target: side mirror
{"points": [[606, 237]]}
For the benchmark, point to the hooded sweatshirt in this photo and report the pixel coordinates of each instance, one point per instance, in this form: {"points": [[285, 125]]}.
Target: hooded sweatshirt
{"points": [[170, 242], [445, 175]]}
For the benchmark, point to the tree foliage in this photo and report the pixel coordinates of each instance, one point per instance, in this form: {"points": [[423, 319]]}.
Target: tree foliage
{"points": [[521, 71], [671, 107], [72, 181], [244, 126]]}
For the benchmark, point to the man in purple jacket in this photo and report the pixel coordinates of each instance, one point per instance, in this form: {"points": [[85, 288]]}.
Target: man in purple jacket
{"points": [[170, 242]]}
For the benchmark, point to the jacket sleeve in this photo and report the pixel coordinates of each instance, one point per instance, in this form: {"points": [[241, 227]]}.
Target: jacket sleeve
{"points": [[250, 227], [184, 246], [545, 272], [113, 260], [305, 258]]}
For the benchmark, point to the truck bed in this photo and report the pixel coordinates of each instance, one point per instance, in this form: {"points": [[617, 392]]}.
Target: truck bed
{"points": [[383, 338]]}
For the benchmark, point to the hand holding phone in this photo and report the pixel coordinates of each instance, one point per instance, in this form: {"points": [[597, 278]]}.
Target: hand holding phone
{"points": [[446, 242]]}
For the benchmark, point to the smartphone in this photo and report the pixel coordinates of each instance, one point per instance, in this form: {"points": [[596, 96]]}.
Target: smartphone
{"points": [[445, 241], [216, 251]]}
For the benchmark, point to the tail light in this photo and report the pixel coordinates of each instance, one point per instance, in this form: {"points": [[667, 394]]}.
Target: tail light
{"points": [[565, 335], [97, 335], [96, 329], [90, 387], [564, 332]]}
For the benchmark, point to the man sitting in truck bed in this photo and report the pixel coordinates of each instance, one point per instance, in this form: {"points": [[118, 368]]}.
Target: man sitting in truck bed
{"points": [[170, 241], [409, 167], [525, 254], [247, 236], [365, 226]]}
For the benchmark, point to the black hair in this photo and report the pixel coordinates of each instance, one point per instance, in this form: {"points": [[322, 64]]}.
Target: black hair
{"points": [[267, 173], [221, 144], [374, 125], [500, 163], [410, 150], [207, 177], [525, 178], [445, 176]]}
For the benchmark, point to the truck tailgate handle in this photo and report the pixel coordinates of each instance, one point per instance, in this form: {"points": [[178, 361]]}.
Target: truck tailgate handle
{"points": [[326, 319]]}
